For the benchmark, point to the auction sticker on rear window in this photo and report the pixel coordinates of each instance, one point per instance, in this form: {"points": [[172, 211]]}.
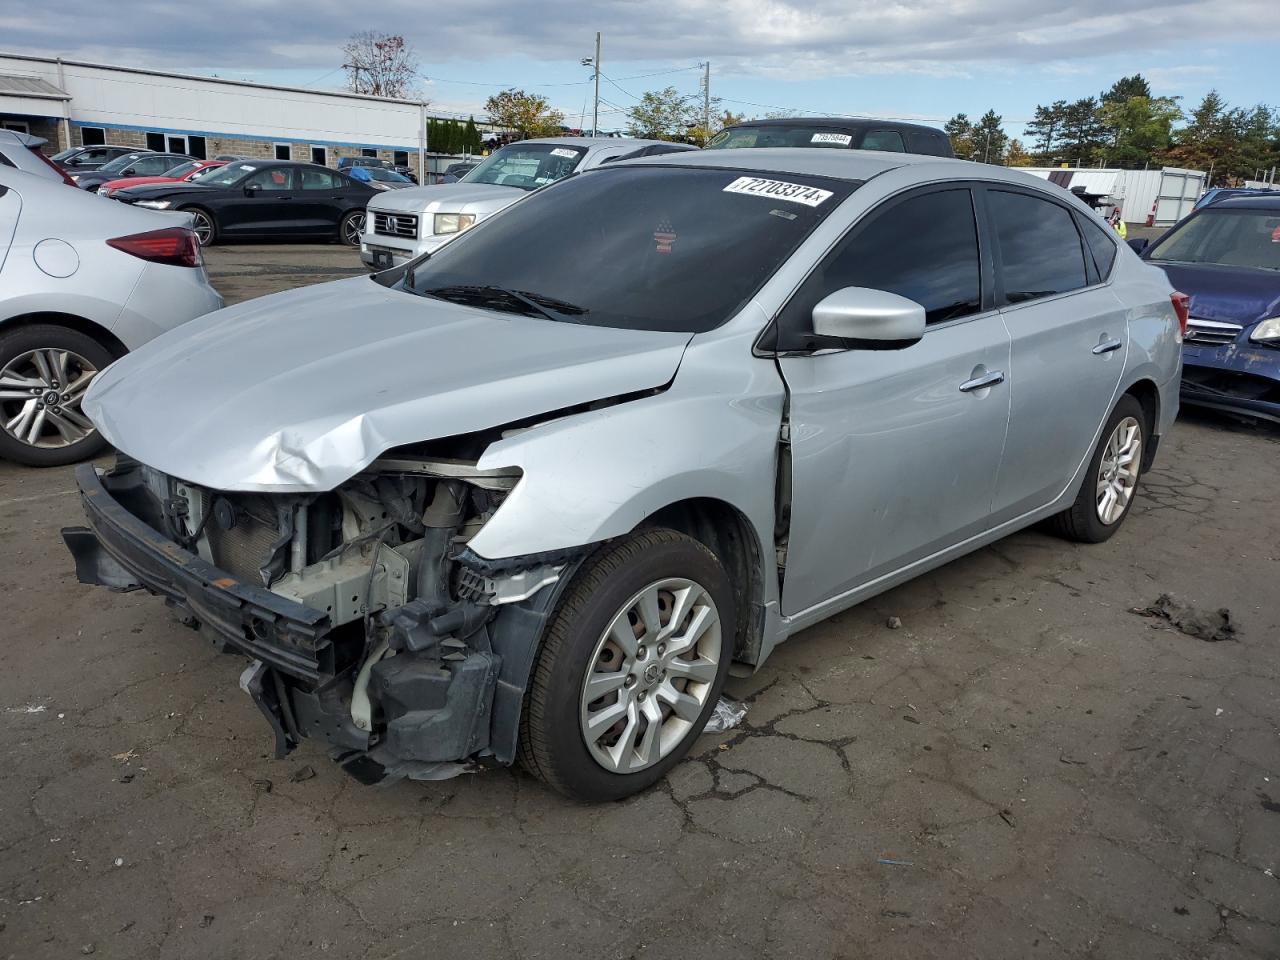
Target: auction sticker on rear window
{"points": [[841, 138], [778, 190]]}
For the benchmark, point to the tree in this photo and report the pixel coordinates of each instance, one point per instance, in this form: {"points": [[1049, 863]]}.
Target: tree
{"points": [[989, 139], [664, 115], [1047, 126], [1139, 128], [1082, 131], [1016, 155], [719, 120], [471, 137], [381, 65], [527, 113], [960, 130], [1126, 88]]}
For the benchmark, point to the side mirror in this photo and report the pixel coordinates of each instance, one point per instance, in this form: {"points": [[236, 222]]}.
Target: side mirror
{"points": [[251, 189], [860, 313], [1138, 244], [127, 172]]}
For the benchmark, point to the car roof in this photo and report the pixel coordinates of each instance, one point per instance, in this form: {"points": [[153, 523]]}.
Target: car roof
{"points": [[589, 142], [841, 164], [843, 123], [1264, 202]]}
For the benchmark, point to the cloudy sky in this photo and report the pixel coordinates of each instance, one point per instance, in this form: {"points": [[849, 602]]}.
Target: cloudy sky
{"points": [[925, 59]]}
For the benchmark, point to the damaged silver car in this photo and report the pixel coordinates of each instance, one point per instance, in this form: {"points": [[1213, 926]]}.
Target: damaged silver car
{"points": [[532, 497]]}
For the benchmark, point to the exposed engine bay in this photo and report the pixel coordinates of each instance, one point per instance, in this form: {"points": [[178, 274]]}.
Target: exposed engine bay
{"points": [[378, 632]]}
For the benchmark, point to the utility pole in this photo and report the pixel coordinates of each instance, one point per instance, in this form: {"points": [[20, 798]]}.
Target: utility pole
{"points": [[595, 109], [422, 142], [706, 103]]}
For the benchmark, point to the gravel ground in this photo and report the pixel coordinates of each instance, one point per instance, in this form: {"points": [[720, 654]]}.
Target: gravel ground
{"points": [[1024, 768]]}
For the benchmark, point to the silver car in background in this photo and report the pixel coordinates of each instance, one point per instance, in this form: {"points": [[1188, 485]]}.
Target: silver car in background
{"points": [[82, 282], [420, 220], [531, 497]]}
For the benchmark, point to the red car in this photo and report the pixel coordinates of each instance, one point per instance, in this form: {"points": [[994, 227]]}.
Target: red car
{"points": [[191, 170]]}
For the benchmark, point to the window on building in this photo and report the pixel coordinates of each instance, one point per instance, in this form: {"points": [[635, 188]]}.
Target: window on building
{"points": [[320, 155], [368, 152], [400, 158], [155, 141], [177, 145], [19, 125], [284, 151], [92, 136], [1040, 249], [196, 147]]}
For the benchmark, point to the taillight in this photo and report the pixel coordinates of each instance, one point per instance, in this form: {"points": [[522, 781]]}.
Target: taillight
{"points": [[53, 166], [176, 246], [1182, 307]]}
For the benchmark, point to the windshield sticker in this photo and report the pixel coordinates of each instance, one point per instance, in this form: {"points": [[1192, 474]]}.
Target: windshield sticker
{"points": [[665, 235], [562, 152], [841, 138], [779, 190], [1275, 235]]}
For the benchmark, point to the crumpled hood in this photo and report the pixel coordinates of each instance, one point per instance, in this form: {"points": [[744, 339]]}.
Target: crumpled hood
{"points": [[448, 198], [1227, 294], [301, 390]]}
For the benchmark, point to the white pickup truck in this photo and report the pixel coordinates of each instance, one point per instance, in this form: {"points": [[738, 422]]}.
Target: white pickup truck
{"points": [[404, 224]]}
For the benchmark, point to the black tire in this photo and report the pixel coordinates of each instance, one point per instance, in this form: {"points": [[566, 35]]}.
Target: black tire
{"points": [[347, 234], [18, 341], [1080, 522], [205, 237], [552, 747]]}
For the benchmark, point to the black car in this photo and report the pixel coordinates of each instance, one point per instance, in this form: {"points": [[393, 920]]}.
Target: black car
{"points": [[273, 199], [835, 132], [139, 163], [84, 159]]}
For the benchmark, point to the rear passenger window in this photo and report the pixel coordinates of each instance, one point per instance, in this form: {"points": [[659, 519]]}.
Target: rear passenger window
{"points": [[883, 140], [924, 248], [1039, 247], [1101, 247]]}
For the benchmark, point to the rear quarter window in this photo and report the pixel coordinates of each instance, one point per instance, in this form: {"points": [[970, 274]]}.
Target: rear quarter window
{"points": [[1101, 246]]}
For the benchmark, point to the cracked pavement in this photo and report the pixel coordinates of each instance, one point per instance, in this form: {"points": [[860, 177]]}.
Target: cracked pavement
{"points": [[1025, 768]]}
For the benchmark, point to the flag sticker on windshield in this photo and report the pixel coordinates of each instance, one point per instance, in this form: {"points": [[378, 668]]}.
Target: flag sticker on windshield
{"points": [[841, 138], [778, 190]]}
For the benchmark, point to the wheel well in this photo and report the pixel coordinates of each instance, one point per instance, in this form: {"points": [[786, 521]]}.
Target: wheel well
{"points": [[72, 322], [1145, 392], [726, 532]]}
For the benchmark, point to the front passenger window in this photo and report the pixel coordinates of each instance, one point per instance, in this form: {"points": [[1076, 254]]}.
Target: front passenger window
{"points": [[924, 248], [1039, 246]]}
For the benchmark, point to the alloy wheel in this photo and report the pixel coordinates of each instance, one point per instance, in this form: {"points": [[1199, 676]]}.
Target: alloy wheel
{"points": [[352, 227], [650, 675], [40, 395], [1118, 470], [202, 226]]}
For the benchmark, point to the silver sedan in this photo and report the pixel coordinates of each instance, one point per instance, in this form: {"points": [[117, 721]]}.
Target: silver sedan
{"points": [[82, 282], [531, 498]]}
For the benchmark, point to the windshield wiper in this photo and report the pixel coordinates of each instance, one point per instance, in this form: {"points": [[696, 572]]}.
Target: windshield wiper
{"points": [[501, 298]]}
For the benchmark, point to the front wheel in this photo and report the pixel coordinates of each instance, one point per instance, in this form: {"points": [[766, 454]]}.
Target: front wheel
{"points": [[351, 228], [44, 372], [631, 668], [1111, 479]]}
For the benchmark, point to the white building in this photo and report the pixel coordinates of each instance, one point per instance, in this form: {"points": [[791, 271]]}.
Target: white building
{"points": [[71, 103], [1153, 198]]}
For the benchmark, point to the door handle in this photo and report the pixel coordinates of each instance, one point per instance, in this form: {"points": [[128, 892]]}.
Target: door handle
{"points": [[982, 382], [1106, 346]]}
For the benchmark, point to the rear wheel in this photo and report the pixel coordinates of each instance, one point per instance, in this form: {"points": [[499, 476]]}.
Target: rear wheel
{"points": [[44, 372], [203, 225], [351, 227], [631, 668], [1111, 479]]}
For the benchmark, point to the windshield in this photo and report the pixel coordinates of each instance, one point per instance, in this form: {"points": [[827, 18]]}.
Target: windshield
{"points": [[1234, 238], [119, 163], [779, 135], [381, 173], [527, 165], [229, 175], [181, 170], [644, 248]]}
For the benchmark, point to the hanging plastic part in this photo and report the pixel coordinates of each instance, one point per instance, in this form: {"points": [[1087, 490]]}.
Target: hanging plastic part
{"points": [[361, 708], [727, 715]]}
